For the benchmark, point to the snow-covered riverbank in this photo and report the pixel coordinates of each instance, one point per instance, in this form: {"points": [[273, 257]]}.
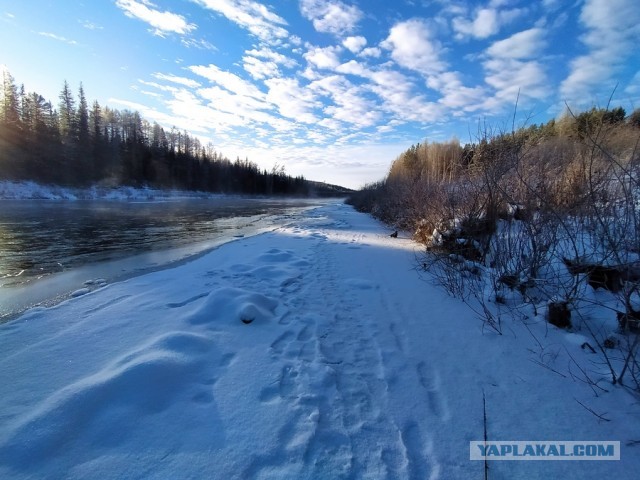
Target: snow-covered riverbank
{"points": [[315, 351]]}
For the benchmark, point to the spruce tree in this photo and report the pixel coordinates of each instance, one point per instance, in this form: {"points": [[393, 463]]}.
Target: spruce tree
{"points": [[11, 142], [67, 113]]}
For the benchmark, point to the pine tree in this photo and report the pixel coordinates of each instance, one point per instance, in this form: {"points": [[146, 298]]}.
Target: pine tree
{"points": [[10, 111], [83, 118], [11, 141], [95, 121], [67, 115], [97, 142]]}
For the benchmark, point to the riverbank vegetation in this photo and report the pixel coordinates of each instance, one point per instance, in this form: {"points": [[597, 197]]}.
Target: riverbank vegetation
{"points": [[538, 222], [78, 143]]}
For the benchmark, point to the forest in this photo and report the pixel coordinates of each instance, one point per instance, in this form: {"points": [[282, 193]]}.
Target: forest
{"points": [[559, 166], [537, 223], [77, 143]]}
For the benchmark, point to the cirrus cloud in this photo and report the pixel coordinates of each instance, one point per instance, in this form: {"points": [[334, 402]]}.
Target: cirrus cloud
{"points": [[253, 16], [162, 22]]}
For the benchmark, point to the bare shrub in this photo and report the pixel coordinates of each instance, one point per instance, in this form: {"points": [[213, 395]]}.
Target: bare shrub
{"points": [[541, 215]]}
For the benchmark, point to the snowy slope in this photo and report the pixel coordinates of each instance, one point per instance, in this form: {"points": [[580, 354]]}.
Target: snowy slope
{"points": [[352, 366]]}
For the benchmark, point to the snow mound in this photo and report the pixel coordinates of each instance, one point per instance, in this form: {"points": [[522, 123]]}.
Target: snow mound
{"points": [[234, 305], [140, 384], [80, 292], [276, 255]]}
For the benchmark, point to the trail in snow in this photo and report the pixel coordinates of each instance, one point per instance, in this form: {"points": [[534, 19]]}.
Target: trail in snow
{"points": [[337, 377], [314, 351]]}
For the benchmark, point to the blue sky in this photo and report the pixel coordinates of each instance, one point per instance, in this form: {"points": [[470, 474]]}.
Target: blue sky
{"points": [[337, 89]]}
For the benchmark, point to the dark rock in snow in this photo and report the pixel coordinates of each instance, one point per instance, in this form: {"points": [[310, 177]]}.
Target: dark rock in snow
{"points": [[559, 314], [629, 320], [598, 276]]}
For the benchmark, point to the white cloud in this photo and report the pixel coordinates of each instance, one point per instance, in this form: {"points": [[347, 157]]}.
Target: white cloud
{"points": [[525, 44], [512, 78], [164, 88], [227, 80], [162, 22], [167, 120], [509, 16], [374, 52], [355, 111], [396, 92], [352, 68], [226, 105], [483, 25], [292, 100], [485, 22], [412, 46], [455, 95], [349, 103], [500, 3], [90, 25], [633, 88], [331, 124], [400, 98], [252, 16], [612, 35], [264, 63], [187, 106], [512, 73], [59, 38], [187, 82], [200, 44], [229, 102], [260, 69], [278, 58], [331, 16], [354, 44], [324, 58]]}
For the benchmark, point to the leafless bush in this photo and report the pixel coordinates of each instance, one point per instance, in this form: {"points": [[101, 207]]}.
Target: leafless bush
{"points": [[524, 219]]}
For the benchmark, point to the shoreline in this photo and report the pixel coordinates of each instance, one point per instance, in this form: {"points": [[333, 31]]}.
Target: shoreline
{"points": [[315, 350], [52, 289]]}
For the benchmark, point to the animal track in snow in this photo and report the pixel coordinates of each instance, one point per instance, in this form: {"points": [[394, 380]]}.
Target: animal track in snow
{"points": [[431, 383], [282, 341], [418, 467], [305, 334], [107, 304], [187, 301]]}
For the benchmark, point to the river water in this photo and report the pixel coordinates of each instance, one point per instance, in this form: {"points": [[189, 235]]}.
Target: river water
{"points": [[49, 249]]}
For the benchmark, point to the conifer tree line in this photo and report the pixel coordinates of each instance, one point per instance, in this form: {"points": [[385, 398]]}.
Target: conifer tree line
{"points": [[77, 143]]}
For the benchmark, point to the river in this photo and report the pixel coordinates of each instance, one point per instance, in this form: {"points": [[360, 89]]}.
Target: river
{"points": [[50, 249]]}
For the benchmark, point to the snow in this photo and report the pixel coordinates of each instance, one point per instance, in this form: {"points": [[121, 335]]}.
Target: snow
{"points": [[80, 291], [354, 365]]}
